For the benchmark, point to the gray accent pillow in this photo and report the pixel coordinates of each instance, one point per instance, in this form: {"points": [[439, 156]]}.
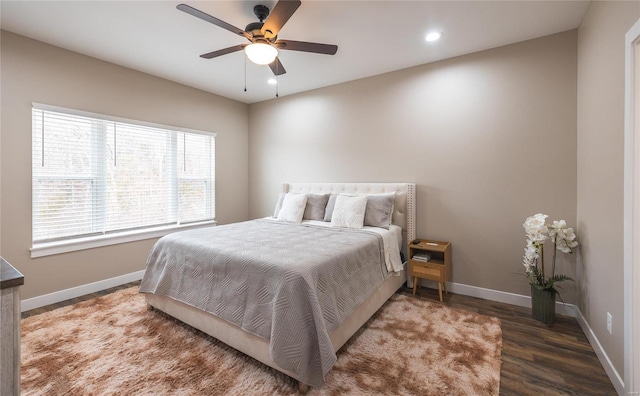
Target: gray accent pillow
{"points": [[316, 204], [279, 204], [379, 210], [331, 204]]}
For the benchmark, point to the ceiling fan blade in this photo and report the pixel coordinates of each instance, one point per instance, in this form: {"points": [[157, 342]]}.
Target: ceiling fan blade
{"points": [[317, 48], [277, 68], [224, 51], [279, 16], [206, 17]]}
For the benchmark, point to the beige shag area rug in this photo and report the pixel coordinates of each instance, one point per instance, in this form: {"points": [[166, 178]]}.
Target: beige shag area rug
{"points": [[114, 345]]}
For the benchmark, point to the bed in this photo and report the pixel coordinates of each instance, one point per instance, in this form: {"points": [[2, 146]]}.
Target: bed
{"points": [[288, 295]]}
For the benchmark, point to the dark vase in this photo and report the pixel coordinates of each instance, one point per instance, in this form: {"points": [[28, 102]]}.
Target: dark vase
{"points": [[543, 305]]}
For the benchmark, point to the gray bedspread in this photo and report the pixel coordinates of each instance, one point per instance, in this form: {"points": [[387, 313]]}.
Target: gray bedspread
{"points": [[291, 284]]}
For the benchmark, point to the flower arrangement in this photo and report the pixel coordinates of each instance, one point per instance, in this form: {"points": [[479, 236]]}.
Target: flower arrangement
{"points": [[563, 239]]}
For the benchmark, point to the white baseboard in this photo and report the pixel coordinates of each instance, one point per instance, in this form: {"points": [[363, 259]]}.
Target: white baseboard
{"points": [[500, 296], [614, 376], [67, 294]]}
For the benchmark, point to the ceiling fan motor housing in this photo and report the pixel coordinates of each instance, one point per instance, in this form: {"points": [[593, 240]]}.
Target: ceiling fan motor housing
{"points": [[255, 28]]}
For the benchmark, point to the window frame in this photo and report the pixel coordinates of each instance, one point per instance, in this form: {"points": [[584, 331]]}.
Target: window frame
{"points": [[46, 248]]}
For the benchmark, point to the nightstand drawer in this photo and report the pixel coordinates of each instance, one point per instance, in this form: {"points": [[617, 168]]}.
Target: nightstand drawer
{"points": [[426, 271], [434, 264]]}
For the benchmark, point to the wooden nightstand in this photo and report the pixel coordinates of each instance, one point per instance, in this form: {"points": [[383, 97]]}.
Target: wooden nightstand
{"points": [[437, 268]]}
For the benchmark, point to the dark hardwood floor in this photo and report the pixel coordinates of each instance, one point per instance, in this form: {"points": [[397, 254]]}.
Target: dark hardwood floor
{"points": [[61, 304], [537, 359]]}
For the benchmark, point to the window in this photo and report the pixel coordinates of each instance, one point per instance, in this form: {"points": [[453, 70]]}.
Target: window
{"points": [[95, 176]]}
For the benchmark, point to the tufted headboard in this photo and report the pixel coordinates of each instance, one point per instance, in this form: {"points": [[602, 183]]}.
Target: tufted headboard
{"points": [[404, 211]]}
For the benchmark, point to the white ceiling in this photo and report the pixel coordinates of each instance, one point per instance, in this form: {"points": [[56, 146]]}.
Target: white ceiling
{"points": [[373, 37]]}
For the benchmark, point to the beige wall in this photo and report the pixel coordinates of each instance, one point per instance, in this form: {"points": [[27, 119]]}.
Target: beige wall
{"points": [[601, 59], [36, 72], [489, 138]]}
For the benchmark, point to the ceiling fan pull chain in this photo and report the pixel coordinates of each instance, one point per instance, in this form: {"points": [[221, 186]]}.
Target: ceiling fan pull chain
{"points": [[245, 73], [277, 76]]}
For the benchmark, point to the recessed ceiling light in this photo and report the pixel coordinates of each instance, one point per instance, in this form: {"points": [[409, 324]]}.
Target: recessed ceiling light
{"points": [[433, 36], [272, 81]]}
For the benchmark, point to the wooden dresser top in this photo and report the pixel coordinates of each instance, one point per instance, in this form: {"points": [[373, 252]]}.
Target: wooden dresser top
{"points": [[9, 276]]}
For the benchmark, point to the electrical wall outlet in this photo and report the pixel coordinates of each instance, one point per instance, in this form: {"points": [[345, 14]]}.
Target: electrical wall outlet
{"points": [[609, 322]]}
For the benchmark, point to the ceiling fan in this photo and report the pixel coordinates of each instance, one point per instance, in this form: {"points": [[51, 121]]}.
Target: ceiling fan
{"points": [[263, 35]]}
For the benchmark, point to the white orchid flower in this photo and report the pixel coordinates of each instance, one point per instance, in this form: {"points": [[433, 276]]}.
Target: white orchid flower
{"points": [[537, 231], [556, 227], [531, 251], [564, 237], [535, 227]]}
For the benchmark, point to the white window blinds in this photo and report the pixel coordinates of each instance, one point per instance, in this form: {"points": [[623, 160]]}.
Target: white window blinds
{"points": [[95, 175]]}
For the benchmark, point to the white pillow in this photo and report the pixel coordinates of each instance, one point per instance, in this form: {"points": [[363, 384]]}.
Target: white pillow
{"points": [[349, 211], [279, 204], [293, 208]]}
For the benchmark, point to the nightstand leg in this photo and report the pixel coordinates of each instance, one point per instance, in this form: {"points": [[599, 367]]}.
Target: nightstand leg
{"points": [[440, 290], [415, 284], [444, 286]]}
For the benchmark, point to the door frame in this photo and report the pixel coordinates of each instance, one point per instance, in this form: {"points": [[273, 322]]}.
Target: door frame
{"points": [[632, 212]]}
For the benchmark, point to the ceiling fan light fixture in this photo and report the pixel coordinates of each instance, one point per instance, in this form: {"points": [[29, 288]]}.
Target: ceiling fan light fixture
{"points": [[433, 36], [261, 53]]}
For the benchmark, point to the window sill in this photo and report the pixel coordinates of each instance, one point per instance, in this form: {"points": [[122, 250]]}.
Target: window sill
{"points": [[51, 248]]}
